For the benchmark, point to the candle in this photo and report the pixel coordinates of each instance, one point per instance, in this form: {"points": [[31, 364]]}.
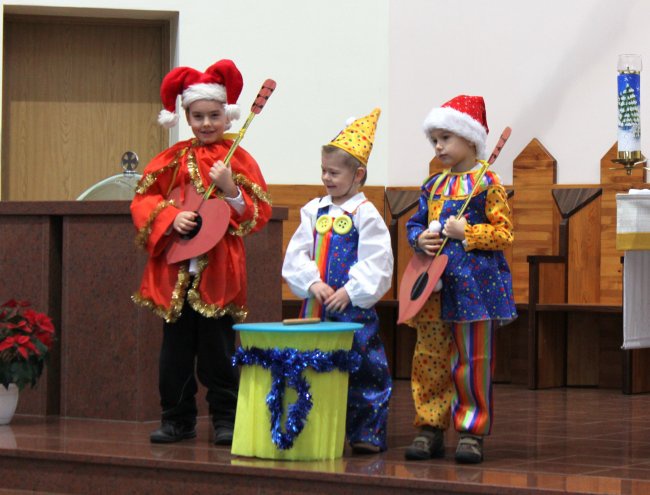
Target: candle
{"points": [[629, 106]]}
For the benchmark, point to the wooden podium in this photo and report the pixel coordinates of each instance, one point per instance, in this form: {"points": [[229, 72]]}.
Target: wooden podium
{"points": [[77, 262]]}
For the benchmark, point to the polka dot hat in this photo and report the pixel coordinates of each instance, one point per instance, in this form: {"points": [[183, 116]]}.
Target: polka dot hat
{"points": [[357, 138]]}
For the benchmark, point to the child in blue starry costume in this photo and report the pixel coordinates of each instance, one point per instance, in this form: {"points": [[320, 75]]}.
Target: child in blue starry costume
{"points": [[340, 261], [476, 292]]}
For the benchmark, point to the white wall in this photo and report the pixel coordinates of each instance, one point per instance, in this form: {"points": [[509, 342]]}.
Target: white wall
{"points": [[546, 68], [328, 67]]}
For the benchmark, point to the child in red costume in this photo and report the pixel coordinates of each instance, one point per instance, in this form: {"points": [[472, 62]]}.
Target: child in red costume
{"points": [[201, 298]]}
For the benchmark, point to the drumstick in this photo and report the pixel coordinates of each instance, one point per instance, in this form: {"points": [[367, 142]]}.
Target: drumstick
{"points": [[300, 321]]}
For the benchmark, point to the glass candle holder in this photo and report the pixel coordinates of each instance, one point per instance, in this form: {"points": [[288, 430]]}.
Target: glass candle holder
{"points": [[629, 106]]}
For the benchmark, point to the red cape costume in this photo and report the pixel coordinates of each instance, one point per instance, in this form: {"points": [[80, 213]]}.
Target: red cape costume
{"points": [[219, 286]]}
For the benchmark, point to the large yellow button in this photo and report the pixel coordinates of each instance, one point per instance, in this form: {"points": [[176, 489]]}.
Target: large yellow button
{"points": [[342, 224], [323, 224]]}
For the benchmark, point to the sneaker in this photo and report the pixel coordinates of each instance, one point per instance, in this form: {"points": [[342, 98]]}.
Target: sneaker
{"points": [[222, 435], [171, 431], [365, 448], [430, 443], [470, 449]]}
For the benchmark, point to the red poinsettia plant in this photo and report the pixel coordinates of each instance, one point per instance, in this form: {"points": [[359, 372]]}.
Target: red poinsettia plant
{"points": [[26, 338]]}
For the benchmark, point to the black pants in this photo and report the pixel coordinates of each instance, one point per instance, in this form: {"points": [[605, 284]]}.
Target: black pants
{"points": [[206, 344]]}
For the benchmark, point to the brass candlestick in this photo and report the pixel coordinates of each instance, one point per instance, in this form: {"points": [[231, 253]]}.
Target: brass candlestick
{"points": [[630, 159]]}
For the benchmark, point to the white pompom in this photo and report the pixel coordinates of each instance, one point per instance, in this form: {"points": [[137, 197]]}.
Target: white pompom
{"points": [[167, 119], [350, 121], [438, 286], [233, 112], [435, 226]]}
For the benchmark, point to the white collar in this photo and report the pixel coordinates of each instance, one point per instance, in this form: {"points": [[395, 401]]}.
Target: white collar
{"points": [[349, 206]]}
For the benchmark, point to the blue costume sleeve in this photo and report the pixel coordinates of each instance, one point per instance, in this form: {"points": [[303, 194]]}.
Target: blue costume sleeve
{"points": [[419, 222]]}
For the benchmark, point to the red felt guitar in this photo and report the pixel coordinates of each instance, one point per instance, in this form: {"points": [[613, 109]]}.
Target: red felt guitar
{"points": [[213, 214], [423, 272]]}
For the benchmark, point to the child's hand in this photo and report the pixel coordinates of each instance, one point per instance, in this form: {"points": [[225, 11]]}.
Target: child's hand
{"points": [[185, 222], [338, 301], [221, 175], [455, 228], [321, 291], [429, 242]]}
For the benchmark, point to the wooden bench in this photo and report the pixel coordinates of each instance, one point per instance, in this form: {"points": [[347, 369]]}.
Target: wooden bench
{"points": [[573, 339]]}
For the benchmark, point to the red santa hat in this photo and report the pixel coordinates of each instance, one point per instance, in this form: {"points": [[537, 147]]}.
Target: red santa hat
{"points": [[465, 116], [221, 82]]}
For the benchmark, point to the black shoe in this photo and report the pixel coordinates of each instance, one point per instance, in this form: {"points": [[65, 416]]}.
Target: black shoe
{"points": [[470, 449], [365, 448], [222, 435], [170, 432], [429, 443]]}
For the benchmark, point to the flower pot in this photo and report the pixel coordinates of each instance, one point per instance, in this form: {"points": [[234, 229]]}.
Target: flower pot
{"points": [[8, 403]]}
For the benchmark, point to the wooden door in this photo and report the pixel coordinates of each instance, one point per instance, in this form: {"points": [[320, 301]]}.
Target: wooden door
{"points": [[77, 94]]}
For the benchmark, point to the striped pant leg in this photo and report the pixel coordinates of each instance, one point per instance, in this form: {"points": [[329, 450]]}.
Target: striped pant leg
{"points": [[472, 368]]}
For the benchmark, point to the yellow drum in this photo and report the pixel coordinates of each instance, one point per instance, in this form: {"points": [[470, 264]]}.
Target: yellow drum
{"points": [[323, 436]]}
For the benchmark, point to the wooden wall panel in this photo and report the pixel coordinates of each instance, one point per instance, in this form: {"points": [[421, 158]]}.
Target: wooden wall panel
{"points": [[404, 249], [640, 369], [533, 176], [77, 94], [610, 355], [613, 182], [583, 346], [583, 264], [405, 345], [551, 350], [519, 348], [552, 286]]}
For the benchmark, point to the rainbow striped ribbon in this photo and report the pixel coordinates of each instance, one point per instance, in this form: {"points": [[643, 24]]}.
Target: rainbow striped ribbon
{"points": [[311, 308]]}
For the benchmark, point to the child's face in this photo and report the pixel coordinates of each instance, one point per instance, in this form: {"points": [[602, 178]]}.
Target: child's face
{"points": [[452, 150], [208, 121], [340, 179]]}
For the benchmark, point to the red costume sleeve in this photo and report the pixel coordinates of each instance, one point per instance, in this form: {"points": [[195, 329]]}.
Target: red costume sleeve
{"points": [[152, 213], [249, 179]]}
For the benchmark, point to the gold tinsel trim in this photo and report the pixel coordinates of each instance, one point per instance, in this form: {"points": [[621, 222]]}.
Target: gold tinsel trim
{"points": [[244, 181], [143, 234], [178, 296], [193, 170], [238, 313], [246, 226], [148, 180], [256, 193], [149, 304]]}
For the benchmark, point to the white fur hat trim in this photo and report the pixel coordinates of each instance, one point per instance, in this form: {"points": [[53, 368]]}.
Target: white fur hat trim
{"points": [[459, 123], [203, 91]]}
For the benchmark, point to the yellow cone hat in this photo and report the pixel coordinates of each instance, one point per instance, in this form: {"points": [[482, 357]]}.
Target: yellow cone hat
{"points": [[358, 137]]}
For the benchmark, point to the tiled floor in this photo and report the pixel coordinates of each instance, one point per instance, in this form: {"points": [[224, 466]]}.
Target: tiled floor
{"points": [[545, 441]]}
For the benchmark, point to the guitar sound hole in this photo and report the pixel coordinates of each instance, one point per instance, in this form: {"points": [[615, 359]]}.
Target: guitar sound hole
{"points": [[419, 285], [192, 233]]}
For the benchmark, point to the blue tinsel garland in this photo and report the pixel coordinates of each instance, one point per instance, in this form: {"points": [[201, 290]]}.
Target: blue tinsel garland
{"points": [[286, 366]]}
